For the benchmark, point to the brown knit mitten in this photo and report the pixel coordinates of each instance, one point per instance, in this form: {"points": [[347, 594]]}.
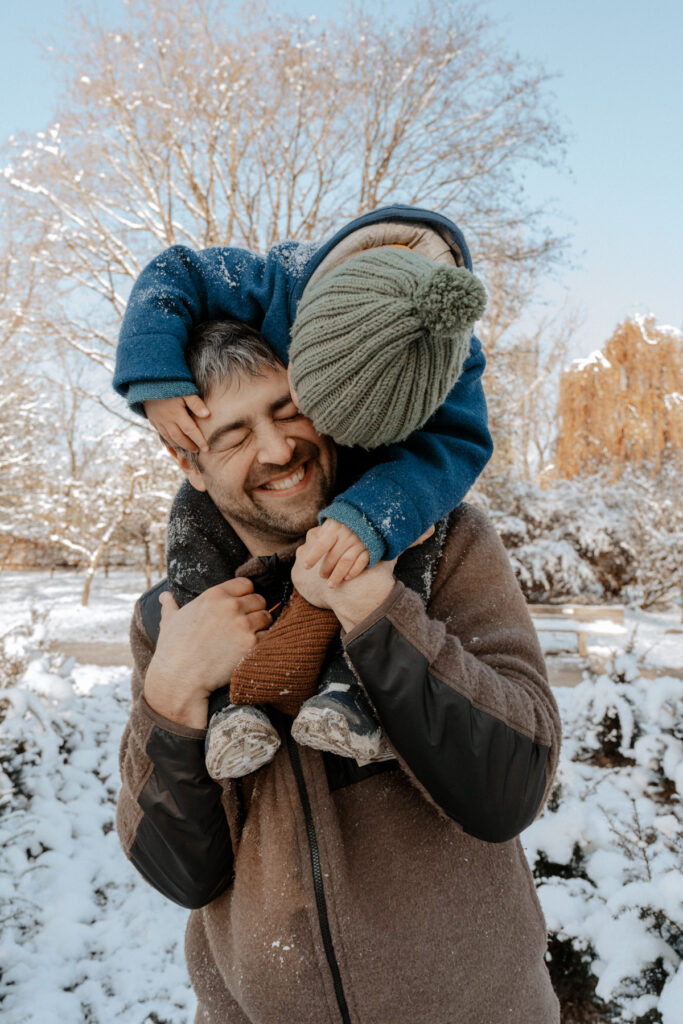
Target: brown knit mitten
{"points": [[283, 669]]}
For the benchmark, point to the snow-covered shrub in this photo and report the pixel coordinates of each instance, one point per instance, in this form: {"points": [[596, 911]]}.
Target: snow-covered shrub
{"points": [[19, 645], [593, 536], [83, 938], [607, 850]]}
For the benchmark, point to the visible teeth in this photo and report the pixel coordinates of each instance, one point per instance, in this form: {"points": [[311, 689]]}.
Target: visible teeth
{"points": [[289, 481]]}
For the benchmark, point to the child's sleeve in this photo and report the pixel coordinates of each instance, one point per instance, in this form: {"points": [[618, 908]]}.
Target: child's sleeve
{"points": [[425, 477], [182, 288]]}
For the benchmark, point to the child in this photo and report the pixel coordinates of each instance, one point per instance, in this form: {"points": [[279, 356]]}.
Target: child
{"points": [[403, 305]]}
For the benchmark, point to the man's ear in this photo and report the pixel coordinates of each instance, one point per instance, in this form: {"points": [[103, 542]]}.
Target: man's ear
{"points": [[192, 474]]}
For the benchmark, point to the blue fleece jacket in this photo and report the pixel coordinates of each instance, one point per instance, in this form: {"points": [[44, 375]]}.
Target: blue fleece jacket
{"points": [[418, 481]]}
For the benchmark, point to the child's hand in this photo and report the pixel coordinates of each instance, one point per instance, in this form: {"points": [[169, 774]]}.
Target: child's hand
{"points": [[171, 418], [345, 555]]}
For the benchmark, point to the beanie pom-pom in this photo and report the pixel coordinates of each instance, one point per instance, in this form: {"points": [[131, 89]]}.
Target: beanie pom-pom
{"points": [[450, 300]]}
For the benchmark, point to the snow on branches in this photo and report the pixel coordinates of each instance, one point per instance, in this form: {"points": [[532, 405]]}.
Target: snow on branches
{"points": [[593, 537]]}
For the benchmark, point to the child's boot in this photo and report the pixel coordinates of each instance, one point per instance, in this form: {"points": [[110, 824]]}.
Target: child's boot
{"points": [[240, 739], [340, 720]]}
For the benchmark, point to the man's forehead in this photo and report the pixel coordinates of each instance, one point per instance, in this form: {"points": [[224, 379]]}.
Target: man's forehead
{"points": [[247, 391]]}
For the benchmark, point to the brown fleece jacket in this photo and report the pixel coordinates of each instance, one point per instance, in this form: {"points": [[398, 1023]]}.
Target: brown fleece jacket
{"points": [[427, 924]]}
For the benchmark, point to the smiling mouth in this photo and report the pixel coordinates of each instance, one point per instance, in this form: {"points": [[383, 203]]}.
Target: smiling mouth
{"points": [[295, 480]]}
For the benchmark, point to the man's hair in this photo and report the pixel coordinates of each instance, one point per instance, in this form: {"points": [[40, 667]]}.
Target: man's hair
{"points": [[221, 350], [218, 352]]}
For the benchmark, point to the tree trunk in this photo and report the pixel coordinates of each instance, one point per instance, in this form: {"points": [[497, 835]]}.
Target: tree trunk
{"points": [[148, 564], [95, 559]]}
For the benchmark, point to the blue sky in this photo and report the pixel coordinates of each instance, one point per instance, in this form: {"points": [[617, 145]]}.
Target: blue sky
{"points": [[620, 91]]}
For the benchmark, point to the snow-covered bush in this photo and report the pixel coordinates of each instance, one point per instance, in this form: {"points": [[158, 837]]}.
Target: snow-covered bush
{"points": [[83, 938], [607, 850], [593, 536]]}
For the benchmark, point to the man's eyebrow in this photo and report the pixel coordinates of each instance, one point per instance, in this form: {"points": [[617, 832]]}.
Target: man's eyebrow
{"points": [[275, 406]]}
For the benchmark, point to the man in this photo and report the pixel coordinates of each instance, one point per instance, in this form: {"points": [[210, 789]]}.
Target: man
{"points": [[393, 894]]}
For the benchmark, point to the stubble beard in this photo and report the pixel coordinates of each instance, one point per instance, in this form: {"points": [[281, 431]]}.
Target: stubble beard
{"points": [[251, 511]]}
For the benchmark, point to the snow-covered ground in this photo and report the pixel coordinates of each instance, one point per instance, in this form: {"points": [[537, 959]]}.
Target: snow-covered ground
{"points": [[106, 618], [83, 938]]}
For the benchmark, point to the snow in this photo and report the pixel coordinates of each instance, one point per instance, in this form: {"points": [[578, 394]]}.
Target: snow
{"points": [[596, 359], [627, 904], [106, 618], [647, 321], [84, 938]]}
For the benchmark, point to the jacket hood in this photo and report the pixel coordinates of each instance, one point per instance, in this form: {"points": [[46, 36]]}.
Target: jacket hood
{"points": [[396, 214]]}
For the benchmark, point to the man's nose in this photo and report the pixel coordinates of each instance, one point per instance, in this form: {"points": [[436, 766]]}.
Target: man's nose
{"points": [[274, 446]]}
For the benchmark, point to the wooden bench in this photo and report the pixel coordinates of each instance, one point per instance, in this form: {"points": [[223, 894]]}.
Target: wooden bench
{"points": [[567, 628]]}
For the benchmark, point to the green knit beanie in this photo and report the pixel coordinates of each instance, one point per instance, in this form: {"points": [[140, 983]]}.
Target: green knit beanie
{"points": [[379, 342]]}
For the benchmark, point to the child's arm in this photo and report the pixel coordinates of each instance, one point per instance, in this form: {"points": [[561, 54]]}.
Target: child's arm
{"points": [[416, 484], [426, 476], [419, 481], [182, 288]]}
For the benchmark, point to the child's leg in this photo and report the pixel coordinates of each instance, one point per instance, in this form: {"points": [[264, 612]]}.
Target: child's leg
{"points": [[284, 668], [281, 671], [285, 671], [240, 739]]}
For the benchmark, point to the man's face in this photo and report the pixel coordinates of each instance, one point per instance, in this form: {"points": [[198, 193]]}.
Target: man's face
{"points": [[267, 469]]}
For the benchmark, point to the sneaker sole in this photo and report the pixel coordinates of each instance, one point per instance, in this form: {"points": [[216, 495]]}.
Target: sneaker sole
{"points": [[325, 729], [239, 746]]}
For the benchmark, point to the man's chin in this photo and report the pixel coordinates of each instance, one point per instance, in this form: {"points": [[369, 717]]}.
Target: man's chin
{"points": [[273, 515], [288, 523], [296, 508]]}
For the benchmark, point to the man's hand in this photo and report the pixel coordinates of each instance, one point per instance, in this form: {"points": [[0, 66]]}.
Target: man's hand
{"points": [[353, 600], [342, 555], [172, 418], [200, 647]]}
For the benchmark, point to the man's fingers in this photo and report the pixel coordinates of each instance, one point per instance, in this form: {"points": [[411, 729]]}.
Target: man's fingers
{"points": [[259, 621], [358, 566], [251, 603], [196, 406], [240, 586]]}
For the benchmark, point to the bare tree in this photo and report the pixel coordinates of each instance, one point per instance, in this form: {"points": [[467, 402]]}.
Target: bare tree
{"points": [[137, 482], [523, 373], [201, 126]]}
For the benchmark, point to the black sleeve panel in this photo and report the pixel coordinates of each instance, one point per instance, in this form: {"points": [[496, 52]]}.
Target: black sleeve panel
{"points": [[182, 846], [481, 772]]}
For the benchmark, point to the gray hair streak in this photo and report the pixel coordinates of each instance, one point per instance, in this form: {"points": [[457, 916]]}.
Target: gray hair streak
{"points": [[221, 350]]}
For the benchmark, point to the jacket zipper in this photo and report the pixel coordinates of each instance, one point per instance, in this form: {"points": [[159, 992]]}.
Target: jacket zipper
{"points": [[318, 880]]}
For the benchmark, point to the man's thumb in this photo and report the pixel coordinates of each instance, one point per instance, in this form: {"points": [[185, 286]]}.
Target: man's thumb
{"points": [[168, 605]]}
